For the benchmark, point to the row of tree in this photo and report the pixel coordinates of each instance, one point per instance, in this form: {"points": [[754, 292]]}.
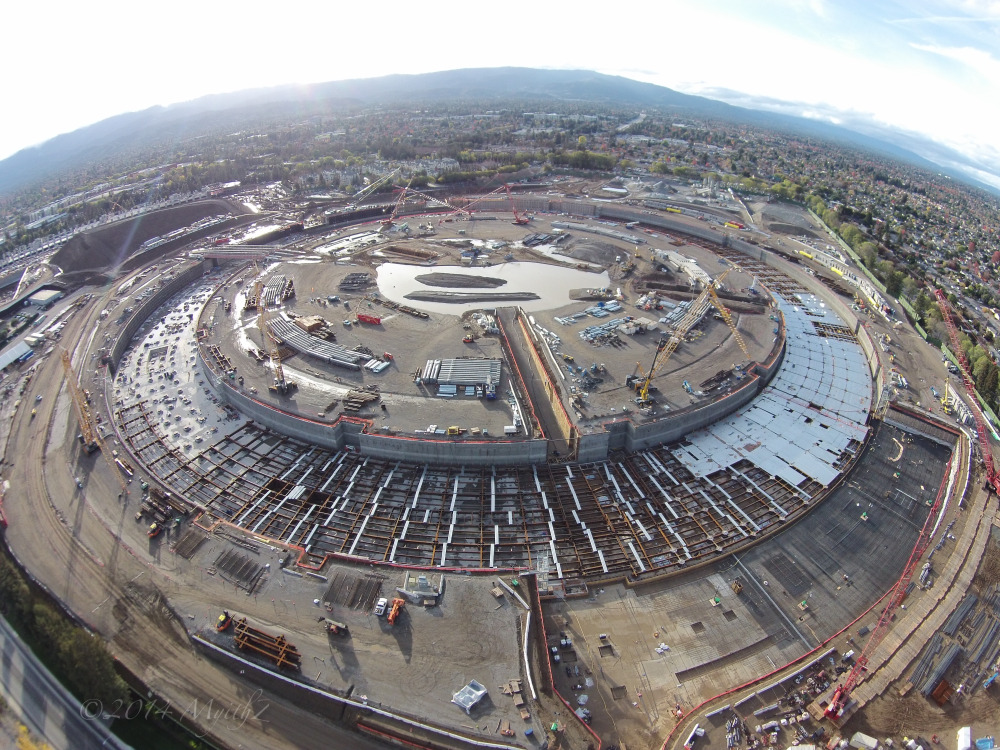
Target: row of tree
{"points": [[68, 650]]}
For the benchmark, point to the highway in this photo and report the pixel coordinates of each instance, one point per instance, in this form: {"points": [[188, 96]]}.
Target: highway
{"points": [[44, 705]]}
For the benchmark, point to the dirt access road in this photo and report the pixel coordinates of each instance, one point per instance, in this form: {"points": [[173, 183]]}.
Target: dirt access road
{"points": [[61, 538]]}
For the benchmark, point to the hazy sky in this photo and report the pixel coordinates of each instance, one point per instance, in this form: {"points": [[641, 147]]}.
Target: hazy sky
{"points": [[930, 67]]}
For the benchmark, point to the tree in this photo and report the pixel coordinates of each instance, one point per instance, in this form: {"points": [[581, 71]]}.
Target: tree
{"points": [[894, 283], [92, 668], [581, 142]]}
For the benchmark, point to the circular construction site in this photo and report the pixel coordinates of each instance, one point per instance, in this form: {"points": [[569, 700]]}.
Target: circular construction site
{"points": [[379, 346], [610, 413], [445, 337]]}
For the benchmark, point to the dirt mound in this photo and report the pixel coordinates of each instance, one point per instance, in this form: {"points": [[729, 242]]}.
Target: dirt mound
{"points": [[109, 246], [457, 280], [592, 251]]}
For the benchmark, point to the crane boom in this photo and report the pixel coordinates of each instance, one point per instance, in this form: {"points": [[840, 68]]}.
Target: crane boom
{"points": [[728, 318], [982, 431], [842, 695], [387, 223], [668, 347], [466, 209], [270, 345], [87, 429], [362, 194], [519, 219], [89, 433]]}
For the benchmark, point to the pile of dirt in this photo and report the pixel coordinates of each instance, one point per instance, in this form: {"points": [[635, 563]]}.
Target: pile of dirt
{"points": [[109, 246], [594, 251], [459, 281], [462, 297]]}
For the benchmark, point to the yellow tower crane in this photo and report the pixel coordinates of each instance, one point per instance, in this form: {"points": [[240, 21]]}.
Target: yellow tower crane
{"points": [[724, 312], [669, 346], [89, 434]]}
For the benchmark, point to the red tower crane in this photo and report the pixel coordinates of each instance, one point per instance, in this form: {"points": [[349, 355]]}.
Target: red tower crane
{"points": [[982, 431], [387, 223], [519, 219], [842, 695]]}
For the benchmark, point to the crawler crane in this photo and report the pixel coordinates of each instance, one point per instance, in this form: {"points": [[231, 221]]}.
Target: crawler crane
{"points": [[842, 696], [280, 385], [90, 436], [667, 347]]}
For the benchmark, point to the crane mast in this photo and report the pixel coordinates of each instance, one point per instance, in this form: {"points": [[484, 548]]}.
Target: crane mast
{"points": [[842, 695], [668, 347], [280, 385], [89, 434], [982, 432]]}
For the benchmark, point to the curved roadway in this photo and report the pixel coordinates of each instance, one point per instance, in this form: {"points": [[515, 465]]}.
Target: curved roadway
{"points": [[58, 536]]}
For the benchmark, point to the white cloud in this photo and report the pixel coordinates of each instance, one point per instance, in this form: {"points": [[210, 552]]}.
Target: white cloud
{"points": [[978, 60]]}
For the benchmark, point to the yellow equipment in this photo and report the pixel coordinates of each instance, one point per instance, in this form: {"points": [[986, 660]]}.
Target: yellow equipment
{"points": [[397, 607], [669, 346], [89, 434], [727, 317], [280, 385]]}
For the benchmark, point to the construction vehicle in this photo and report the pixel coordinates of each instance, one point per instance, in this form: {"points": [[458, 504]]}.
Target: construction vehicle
{"points": [[454, 430], [519, 219], [468, 340], [395, 610], [154, 530], [280, 385], [667, 346], [224, 621], [333, 627]]}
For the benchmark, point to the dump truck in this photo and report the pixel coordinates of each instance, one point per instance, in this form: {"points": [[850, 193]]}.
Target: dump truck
{"points": [[333, 627]]}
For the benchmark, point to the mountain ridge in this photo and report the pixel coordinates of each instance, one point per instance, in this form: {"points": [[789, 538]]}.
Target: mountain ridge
{"points": [[120, 134]]}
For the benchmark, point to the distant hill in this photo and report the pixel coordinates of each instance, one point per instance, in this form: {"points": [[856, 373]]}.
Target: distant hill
{"points": [[117, 137]]}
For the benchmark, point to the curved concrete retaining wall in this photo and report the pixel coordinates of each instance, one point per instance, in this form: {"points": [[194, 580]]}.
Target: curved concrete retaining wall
{"points": [[595, 446], [349, 433], [675, 426], [142, 313]]}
